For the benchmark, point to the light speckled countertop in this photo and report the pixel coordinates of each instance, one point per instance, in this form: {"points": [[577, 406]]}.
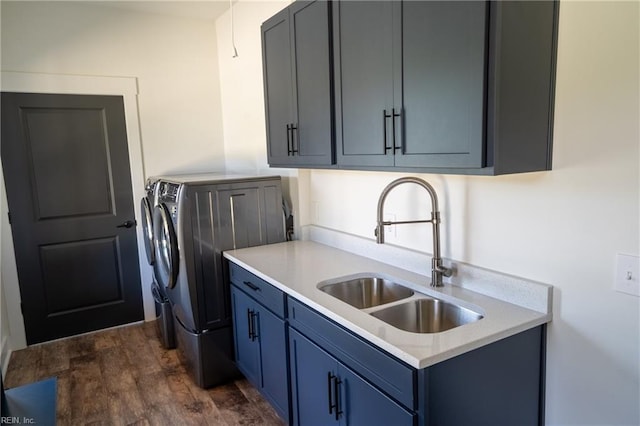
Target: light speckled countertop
{"points": [[298, 267]]}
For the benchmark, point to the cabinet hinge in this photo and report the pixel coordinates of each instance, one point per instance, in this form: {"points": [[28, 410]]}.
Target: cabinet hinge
{"points": [[9, 215]]}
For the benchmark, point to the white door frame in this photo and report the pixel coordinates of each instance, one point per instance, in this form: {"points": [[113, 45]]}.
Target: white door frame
{"points": [[127, 87]]}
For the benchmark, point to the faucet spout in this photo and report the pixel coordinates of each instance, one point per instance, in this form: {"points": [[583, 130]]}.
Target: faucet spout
{"points": [[437, 269]]}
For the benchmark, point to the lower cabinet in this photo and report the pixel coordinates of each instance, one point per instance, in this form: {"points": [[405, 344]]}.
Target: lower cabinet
{"points": [[325, 391], [261, 349], [313, 371]]}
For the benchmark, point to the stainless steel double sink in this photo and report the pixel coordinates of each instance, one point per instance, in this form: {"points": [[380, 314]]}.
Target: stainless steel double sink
{"points": [[422, 314]]}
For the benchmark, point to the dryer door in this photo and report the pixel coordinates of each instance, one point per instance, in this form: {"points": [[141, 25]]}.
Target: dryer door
{"points": [[166, 247], [147, 230]]}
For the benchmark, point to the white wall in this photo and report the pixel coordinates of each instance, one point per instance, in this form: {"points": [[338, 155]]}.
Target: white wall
{"points": [[174, 60], [562, 227], [242, 92]]}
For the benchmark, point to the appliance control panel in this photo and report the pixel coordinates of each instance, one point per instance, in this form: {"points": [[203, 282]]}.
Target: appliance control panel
{"points": [[168, 191]]}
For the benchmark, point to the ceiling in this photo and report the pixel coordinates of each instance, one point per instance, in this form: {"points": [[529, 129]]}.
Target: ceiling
{"points": [[205, 10]]}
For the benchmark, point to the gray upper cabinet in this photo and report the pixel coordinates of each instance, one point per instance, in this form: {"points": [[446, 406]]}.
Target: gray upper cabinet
{"points": [[296, 54], [443, 75], [366, 81], [411, 83], [458, 87], [445, 86]]}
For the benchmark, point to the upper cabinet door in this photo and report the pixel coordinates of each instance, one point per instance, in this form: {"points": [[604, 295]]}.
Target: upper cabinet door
{"points": [[278, 94], [313, 86], [365, 34], [296, 45], [443, 74]]}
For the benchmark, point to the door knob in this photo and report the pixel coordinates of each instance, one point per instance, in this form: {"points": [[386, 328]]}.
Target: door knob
{"points": [[127, 224]]}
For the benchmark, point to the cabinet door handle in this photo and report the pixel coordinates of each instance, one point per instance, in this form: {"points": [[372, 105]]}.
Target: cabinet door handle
{"points": [[384, 131], [254, 328], [251, 285], [250, 324], [336, 395], [330, 378], [294, 150], [396, 114], [289, 150]]}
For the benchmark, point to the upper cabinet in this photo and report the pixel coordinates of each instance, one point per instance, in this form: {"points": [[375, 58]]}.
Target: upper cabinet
{"points": [[442, 86], [296, 55]]}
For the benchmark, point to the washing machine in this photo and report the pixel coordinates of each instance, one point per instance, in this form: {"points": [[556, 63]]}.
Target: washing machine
{"points": [[196, 218], [164, 316]]}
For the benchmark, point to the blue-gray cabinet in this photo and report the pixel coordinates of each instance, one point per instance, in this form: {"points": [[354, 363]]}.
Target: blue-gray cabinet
{"points": [[327, 392], [461, 87], [296, 55], [260, 336], [316, 372], [445, 85]]}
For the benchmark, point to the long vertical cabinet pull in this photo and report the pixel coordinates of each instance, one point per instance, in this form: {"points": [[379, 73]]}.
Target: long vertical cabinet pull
{"points": [[395, 115], [330, 378], [336, 395], [251, 321], [289, 150], [385, 116], [291, 143], [250, 324], [333, 388], [254, 327], [294, 149]]}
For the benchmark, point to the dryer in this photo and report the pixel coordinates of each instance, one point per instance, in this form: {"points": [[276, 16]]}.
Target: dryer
{"points": [[196, 218], [164, 316]]}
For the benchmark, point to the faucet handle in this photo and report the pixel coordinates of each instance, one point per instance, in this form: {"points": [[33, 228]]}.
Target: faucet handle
{"points": [[379, 233], [447, 272]]}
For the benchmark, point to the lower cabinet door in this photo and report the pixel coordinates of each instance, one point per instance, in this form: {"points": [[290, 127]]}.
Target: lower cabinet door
{"points": [[363, 404], [247, 343], [273, 354], [312, 370], [326, 392]]}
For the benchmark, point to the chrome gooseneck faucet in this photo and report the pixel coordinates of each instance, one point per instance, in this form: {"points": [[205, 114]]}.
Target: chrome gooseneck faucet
{"points": [[437, 270]]}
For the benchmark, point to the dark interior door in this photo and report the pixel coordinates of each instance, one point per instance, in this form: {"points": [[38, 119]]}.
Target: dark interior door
{"points": [[68, 182]]}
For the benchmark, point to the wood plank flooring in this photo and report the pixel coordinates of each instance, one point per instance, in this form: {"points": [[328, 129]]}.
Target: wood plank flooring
{"points": [[123, 376]]}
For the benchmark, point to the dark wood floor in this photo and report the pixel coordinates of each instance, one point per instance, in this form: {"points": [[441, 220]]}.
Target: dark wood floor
{"points": [[124, 377]]}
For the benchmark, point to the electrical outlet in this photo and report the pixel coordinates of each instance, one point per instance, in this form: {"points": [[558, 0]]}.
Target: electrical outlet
{"points": [[627, 274], [390, 230]]}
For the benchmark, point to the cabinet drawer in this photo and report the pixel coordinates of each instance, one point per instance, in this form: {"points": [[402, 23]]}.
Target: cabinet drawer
{"points": [[260, 290], [389, 374]]}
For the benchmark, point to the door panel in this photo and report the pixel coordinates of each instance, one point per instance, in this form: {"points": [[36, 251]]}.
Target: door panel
{"points": [[444, 83], [67, 267], [363, 404], [312, 106], [364, 78], [57, 137], [311, 384], [276, 54], [273, 353], [247, 343], [66, 165]]}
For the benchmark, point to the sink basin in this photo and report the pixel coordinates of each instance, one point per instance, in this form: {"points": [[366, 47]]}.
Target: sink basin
{"points": [[367, 292], [426, 316]]}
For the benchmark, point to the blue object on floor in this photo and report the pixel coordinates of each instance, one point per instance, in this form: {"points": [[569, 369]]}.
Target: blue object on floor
{"points": [[34, 403]]}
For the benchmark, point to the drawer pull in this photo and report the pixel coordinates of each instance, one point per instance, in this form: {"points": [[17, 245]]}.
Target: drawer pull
{"points": [[251, 285]]}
